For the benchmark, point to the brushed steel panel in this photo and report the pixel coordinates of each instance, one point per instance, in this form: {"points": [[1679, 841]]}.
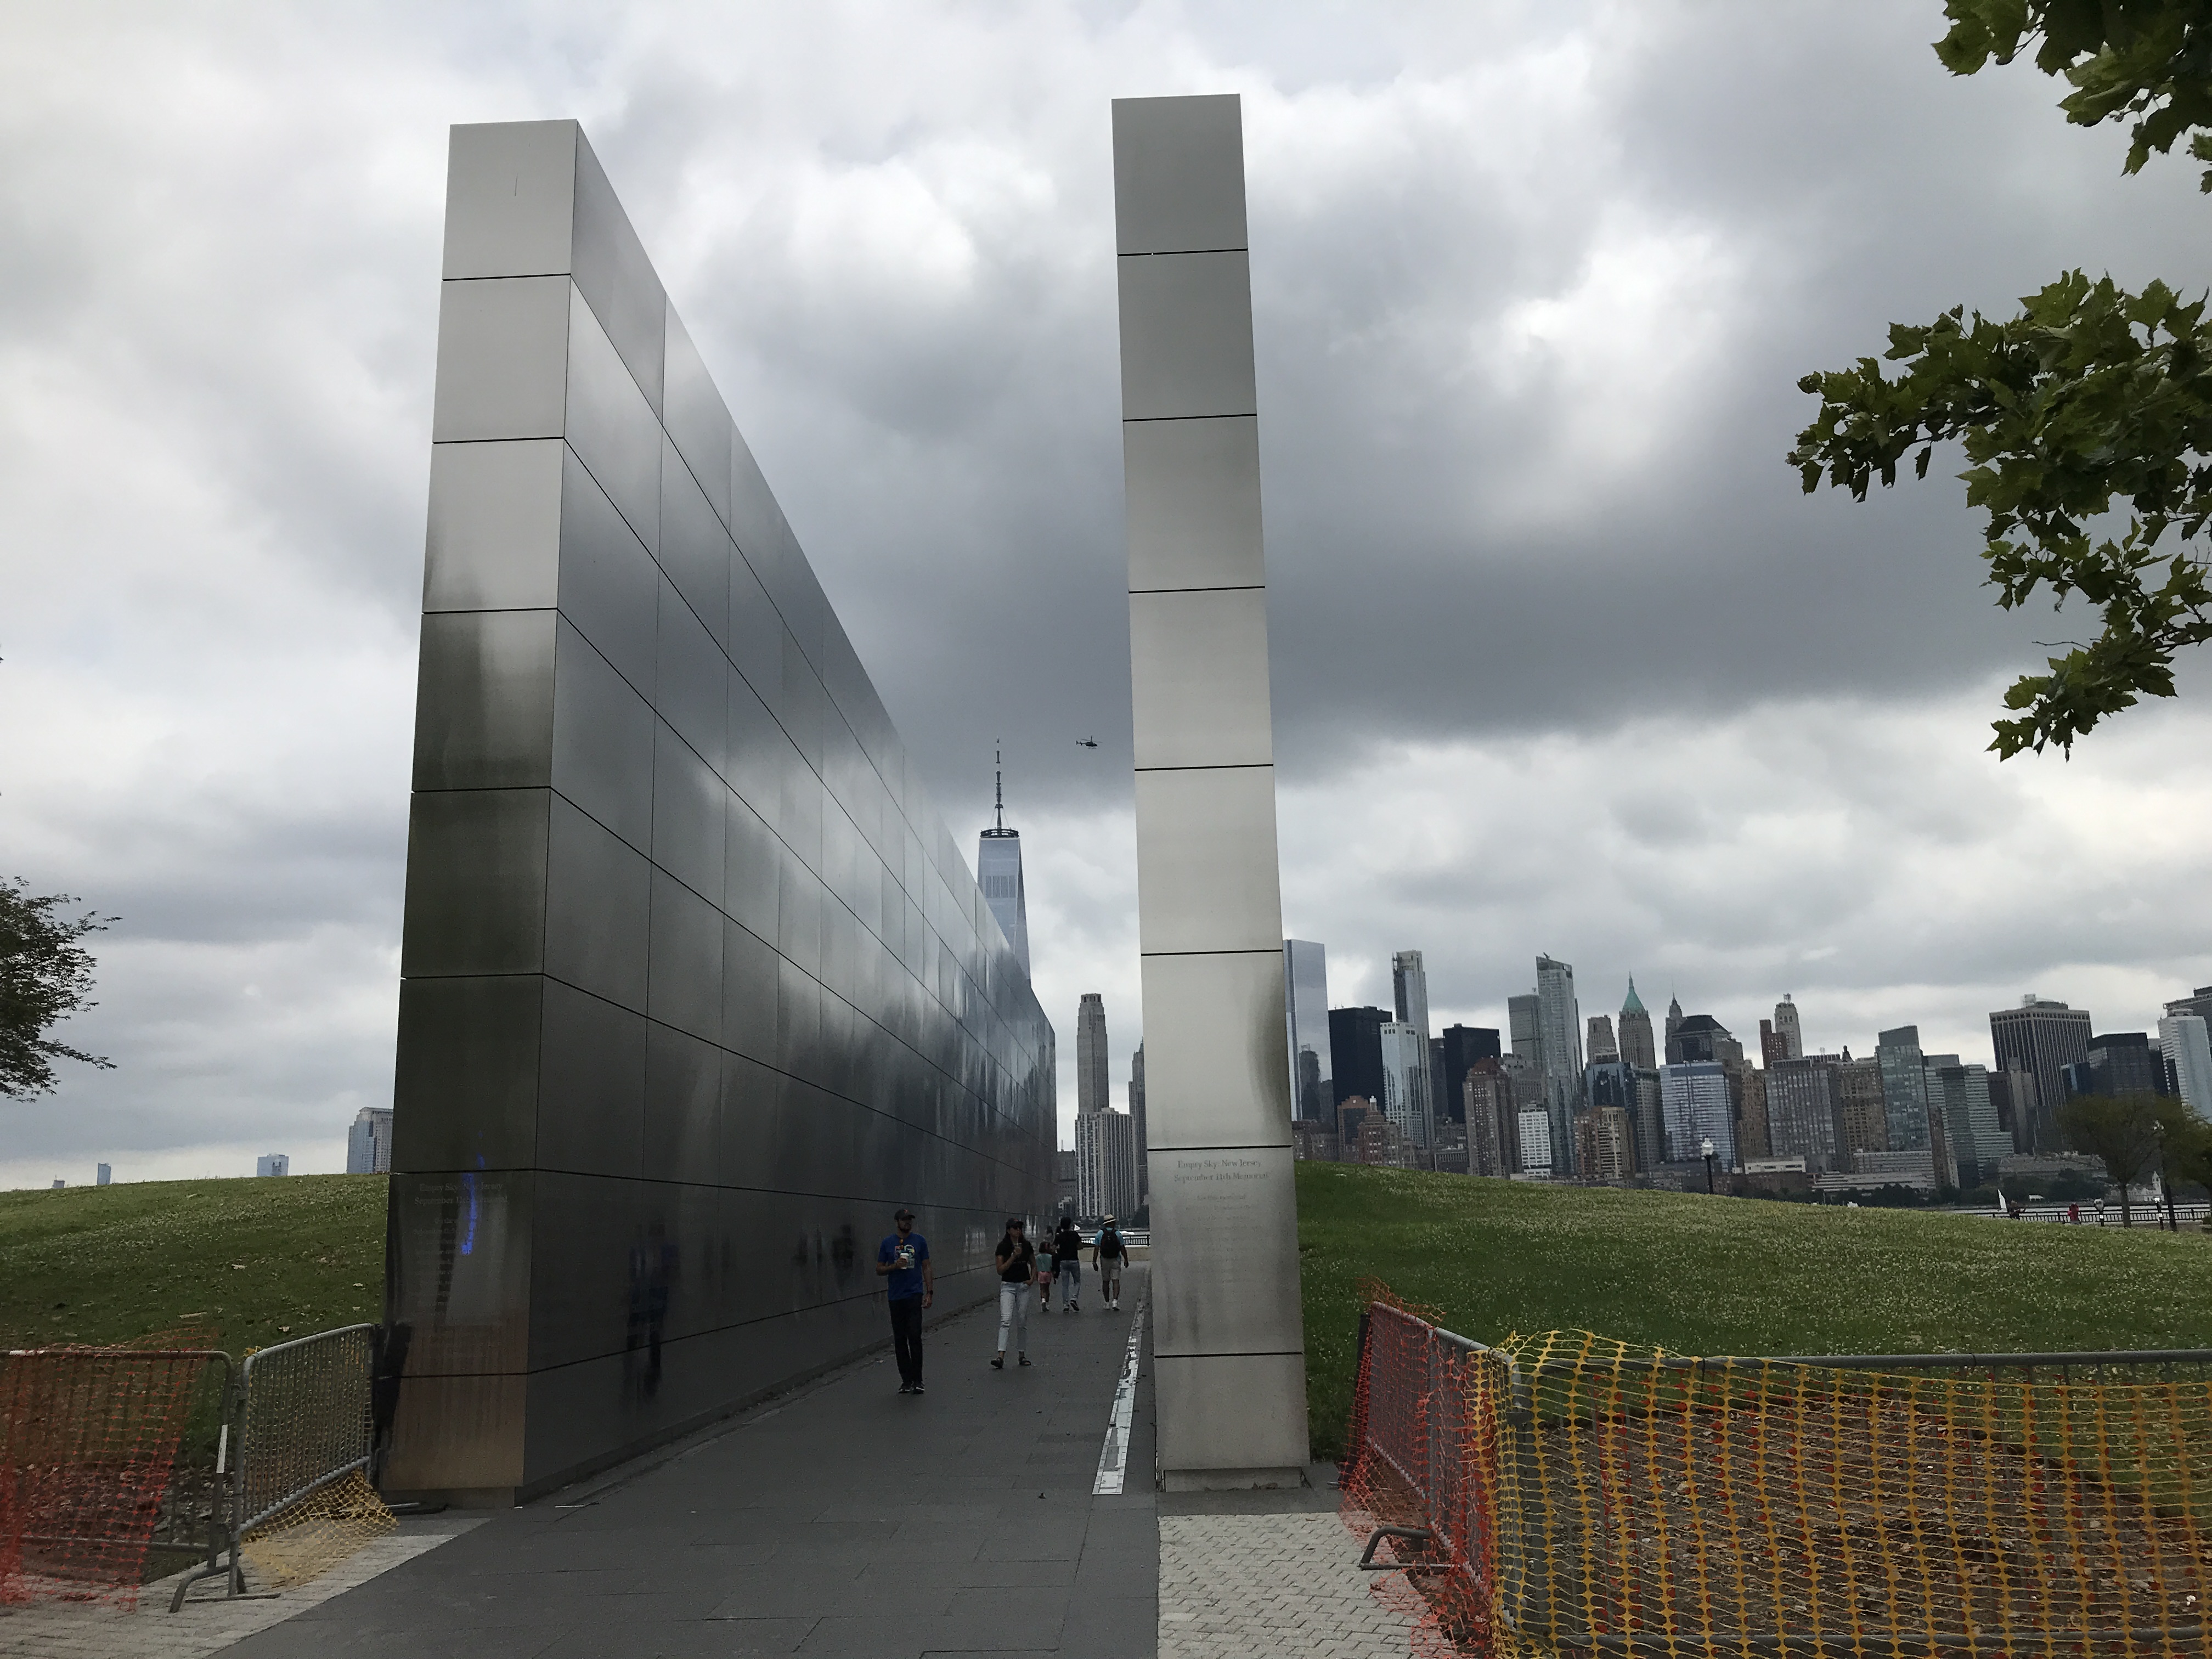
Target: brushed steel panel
{"points": [[1207, 872], [510, 197], [1231, 1415], [603, 740], [502, 359], [682, 1105], [464, 1086], [758, 752], [610, 586], [597, 905], [1178, 174], [1198, 666], [690, 809], [799, 917], [1193, 502], [685, 975], [692, 688], [494, 541], [1186, 336], [611, 427], [1214, 1291], [617, 278], [695, 549], [459, 1270], [750, 1089], [1216, 1071], [484, 702], [749, 994], [752, 881], [591, 1107], [476, 863], [695, 416]]}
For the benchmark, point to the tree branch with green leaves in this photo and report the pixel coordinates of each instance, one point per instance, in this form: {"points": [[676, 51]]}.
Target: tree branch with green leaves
{"points": [[2092, 401], [45, 975]]}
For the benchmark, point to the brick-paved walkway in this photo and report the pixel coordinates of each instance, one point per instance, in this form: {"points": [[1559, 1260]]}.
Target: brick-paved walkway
{"points": [[209, 1623], [1270, 1587]]}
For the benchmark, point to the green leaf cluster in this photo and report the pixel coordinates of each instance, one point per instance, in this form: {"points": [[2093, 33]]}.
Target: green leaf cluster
{"points": [[2092, 395], [45, 975], [2149, 59]]}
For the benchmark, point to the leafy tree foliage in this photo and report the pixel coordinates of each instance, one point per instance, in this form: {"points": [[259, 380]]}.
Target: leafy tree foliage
{"points": [[2093, 398], [2133, 1135], [45, 975]]}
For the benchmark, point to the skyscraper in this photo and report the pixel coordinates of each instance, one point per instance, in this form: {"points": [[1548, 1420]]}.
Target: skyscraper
{"points": [[1772, 1045], [1674, 1023], [1137, 1117], [1106, 1166], [1521, 1029], [998, 870], [1803, 1111], [2188, 1043], [1637, 1048], [1787, 1027], [1603, 1048], [1904, 1089], [1693, 1101], [2045, 1037], [1409, 988], [2118, 1063], [1700, 1036], [1494, 1122], [1463, 1047], [1559, 1029], [1091, 1086], [369, 1142], [1305, 998], [1355, 1044], [1961, 1096], [1406, 1082], [1862, 1109]]}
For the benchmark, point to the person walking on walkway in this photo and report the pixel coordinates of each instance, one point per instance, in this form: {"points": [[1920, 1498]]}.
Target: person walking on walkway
{"points": [[1018, 1262], [1044, 1276], [1067, 1264], [902, 1260], [1107, 1252]]}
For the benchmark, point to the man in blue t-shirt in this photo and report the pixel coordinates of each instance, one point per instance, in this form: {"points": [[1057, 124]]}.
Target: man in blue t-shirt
{"points": [[902, 1260]]}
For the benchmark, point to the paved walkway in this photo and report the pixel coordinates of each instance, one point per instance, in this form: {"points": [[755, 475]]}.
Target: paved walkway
{"points": [[849, 1520], [843, 1520]]}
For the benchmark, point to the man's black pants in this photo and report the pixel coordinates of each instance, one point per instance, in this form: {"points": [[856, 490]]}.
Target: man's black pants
{"points": [[906, 1338]]}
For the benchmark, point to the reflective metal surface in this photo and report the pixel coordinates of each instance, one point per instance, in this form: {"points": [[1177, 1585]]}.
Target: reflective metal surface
{"points": [[696, 988], [1228, 1337]]}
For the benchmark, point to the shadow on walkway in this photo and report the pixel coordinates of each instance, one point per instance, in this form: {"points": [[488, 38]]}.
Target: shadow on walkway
{"points": [[846, 1519]]}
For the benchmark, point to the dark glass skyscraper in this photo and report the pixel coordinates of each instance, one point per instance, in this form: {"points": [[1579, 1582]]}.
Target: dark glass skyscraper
{"points": [[2044, 1037], [1462, 1046], [1355, 1041]]}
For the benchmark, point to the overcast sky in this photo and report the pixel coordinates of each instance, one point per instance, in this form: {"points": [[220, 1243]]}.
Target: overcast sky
{"points": [[1563, 659]]}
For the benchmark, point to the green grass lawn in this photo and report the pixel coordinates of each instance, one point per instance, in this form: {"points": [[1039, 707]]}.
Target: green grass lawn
{"points": [[1710, 1276], [257, 1260]]}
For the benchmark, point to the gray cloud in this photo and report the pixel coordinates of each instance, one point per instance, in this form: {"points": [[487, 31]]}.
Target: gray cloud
{"points": [[1563, 659]]}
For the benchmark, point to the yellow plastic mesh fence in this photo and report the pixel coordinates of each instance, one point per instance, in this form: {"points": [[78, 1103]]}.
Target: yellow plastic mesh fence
{"points": [[1582, 1496], [306, 1501], [89, 1442]]}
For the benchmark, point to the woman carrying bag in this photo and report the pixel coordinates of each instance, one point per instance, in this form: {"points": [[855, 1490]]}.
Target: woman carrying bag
{"points": [[1017, 1259]]}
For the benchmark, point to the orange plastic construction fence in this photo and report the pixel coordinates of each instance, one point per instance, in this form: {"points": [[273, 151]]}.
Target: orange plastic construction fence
{"points": [[1564, 1493], [88, 1445]]}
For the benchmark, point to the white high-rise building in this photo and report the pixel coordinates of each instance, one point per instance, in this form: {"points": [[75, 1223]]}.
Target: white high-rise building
{"points": [[1105, 1165], [1406, 1082], [369, 1142], [1535, 1141], [2188, 1044], [269, 1163], [999, 872], [1786, 1027]]}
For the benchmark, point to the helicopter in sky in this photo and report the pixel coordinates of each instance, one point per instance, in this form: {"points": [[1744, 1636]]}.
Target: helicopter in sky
{"points": [[1086, 743]]}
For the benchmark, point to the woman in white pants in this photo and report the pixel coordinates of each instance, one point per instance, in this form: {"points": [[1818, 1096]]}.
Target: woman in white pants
{"points": [[1017, 1259]]}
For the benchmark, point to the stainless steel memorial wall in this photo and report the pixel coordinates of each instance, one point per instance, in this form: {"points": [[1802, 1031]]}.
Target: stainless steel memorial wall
{"points": [[1228, 1334], [696, 987]]}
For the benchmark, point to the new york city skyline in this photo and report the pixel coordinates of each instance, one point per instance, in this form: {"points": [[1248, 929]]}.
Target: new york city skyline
{"points": [[1563, 660]]}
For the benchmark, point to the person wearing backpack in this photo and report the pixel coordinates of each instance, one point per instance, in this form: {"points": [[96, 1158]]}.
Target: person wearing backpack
{"points": [[1107, 1252], [1067, 1264]]}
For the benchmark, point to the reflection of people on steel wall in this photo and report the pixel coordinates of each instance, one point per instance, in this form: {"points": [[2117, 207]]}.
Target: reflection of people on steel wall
{"points": [[651, 1271]]}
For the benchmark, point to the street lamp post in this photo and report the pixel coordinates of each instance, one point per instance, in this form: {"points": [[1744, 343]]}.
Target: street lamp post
{"points": [[1706, 1151]]}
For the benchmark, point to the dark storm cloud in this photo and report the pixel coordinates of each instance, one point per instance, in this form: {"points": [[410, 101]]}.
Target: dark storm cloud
{"points": [[1563, 660]]}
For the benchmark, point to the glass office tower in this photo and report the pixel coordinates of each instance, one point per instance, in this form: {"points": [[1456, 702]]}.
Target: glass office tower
{"points": [[1305, 995]]}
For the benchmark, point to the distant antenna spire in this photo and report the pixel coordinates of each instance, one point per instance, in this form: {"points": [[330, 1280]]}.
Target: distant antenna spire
{"points": [[999, 782]]}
